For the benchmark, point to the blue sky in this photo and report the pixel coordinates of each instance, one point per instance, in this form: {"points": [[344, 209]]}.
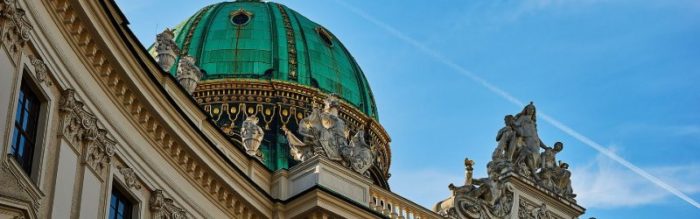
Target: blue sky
{"points": [[623, 73]]}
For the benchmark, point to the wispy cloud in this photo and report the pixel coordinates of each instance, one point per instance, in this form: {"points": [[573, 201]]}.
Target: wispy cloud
{"points": [[604, 184]]}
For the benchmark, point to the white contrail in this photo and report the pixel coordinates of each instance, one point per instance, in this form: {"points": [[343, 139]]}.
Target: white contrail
{"points": [[500, 92]]}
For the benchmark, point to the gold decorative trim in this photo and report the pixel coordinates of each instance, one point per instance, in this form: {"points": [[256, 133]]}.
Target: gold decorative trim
{"points": [[190, 31], [290, 97], [291, 43]]}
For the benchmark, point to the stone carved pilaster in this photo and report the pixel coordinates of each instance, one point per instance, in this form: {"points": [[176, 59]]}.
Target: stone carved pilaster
{"points": [[14, 25], [162, 207], [188, 74], [130, 178], [166, 49], [40, 70], [80, 126]]}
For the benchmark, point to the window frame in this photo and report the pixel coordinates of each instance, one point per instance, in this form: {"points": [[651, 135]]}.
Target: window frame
{"points": [[24, 75], [26, 158], [133, 209]]}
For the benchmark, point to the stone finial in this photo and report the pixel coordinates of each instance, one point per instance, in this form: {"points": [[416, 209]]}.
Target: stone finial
{"points": [[188, 74], [166, 49], [469, 170]]}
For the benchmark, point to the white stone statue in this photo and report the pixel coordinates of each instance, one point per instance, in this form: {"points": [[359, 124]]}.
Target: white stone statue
{"points": [[188, 74], [252, 135], [166, 49]]}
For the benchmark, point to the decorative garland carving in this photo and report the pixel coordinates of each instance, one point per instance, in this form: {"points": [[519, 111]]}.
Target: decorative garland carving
{"points": [[79, 125], [14, 25], [163, 207], [40, 70]]}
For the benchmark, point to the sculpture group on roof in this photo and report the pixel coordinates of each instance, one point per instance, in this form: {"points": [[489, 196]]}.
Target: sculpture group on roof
{"points": [[325, 134], [517, 152]]}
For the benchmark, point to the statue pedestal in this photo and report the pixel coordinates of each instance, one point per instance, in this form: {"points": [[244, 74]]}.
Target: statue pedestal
{"points": [[321, 172], [534, 201]]}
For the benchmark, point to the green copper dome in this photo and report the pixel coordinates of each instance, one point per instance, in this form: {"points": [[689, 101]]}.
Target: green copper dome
{"points": [[268, 41]]}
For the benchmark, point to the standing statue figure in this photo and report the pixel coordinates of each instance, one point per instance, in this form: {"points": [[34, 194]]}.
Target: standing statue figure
{"points": [[548, 161], [252, 135], [526, 129], [563, 181], [507, 141]]}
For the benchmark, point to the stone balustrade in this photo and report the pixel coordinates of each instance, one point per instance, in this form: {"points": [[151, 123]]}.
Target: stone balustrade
{"points": [[395, 206]]}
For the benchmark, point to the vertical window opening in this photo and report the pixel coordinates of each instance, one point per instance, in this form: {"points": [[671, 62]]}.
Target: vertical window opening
{"points": [[25, 127]]}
